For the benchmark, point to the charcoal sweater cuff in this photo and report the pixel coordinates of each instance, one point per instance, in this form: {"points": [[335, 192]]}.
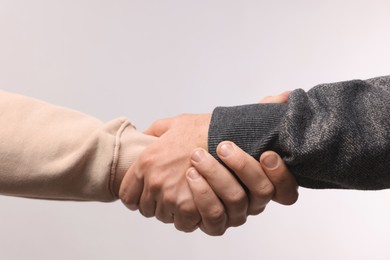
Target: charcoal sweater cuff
{"points": [[333, 136], [254, 128]]}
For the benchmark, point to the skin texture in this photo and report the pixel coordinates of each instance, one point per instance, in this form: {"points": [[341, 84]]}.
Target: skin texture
{"points": [[156, 183], [210, 181], [177, 181]]}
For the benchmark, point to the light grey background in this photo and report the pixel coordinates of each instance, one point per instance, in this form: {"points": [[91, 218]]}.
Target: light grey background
{"points": [[152, 59]]}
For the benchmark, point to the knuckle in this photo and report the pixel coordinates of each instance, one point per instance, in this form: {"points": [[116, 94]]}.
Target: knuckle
{"points": [[155, 183], [164, 219], [138, 175], [239, 163], [237, 221], [256, 211], [127, 200], [187, 225], [187, 217], [123, 196], [212, 231], [190, 223], [237, 197], [208, 170], [204, 192], [146, 213], [186, 229], [266, 190], [168, 199], [216, 215], [188, 211]]}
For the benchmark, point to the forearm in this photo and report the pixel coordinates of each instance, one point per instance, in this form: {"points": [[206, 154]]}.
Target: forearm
{"points": [[52, 152], [334, 136]]}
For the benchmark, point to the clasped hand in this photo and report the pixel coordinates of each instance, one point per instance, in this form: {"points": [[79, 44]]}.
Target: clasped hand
{"points": [[176, 180]]}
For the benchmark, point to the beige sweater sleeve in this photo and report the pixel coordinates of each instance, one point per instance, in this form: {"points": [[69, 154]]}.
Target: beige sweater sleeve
{"points": [[52, 152]]}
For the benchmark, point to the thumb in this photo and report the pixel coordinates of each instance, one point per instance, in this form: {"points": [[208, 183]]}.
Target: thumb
{"points": [[281, 98], [286, 187], [159, 127]]}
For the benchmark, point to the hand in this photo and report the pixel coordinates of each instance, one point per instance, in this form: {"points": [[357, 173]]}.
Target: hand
{"points": [[156, 183], [214, 191], [220, 198]]}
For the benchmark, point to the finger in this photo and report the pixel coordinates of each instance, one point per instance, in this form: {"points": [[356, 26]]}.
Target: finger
{"points": [[147, 204], [153, 194], [131, 188], [159, 127], [165, 212], [286, 187], [208, 204], [281, 98], [249, 171], [187, 216], [178, 207], [224, 184]]}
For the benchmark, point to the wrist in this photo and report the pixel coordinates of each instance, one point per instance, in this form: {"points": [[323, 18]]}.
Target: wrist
{"points": [[131, 145]]}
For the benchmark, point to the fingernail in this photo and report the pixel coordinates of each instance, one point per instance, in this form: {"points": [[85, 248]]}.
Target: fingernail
{"points": [[270, 161], [226, 149], [193, 174], [197, 156]]}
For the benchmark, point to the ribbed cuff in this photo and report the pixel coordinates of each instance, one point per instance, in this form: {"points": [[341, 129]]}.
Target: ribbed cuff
{"points": [[254, 128], [129, 145]]}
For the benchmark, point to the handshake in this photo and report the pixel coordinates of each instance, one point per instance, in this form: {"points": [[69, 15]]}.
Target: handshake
{"points": [[198, 171], [176, 180]]}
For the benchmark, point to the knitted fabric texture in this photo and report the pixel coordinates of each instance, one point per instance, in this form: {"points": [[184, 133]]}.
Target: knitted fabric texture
{"points": [[333, 136]]}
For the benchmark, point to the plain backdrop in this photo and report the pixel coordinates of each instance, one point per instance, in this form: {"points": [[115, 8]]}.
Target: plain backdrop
{"points": [[154, 59]]}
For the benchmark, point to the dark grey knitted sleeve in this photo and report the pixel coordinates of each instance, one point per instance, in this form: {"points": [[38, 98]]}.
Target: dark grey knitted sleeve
{"points": [[333, 136]]}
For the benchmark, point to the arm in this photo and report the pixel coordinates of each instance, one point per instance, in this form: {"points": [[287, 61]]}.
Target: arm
{"points": [[52, 152], [334, 136]]}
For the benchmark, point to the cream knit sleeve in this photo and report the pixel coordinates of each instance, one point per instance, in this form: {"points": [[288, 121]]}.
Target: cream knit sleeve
{"points": [[51, 152]]}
